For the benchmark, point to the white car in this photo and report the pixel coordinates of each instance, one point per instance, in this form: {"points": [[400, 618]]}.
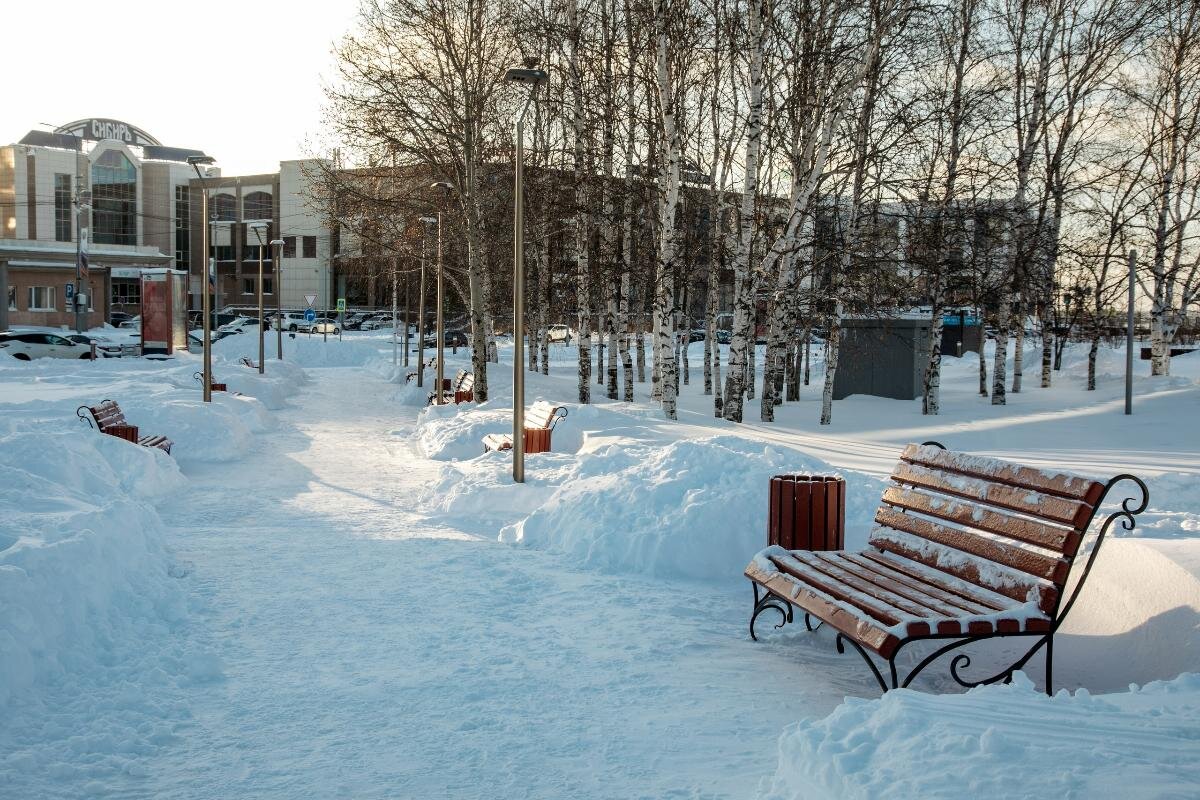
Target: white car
{"points": [[239, 325], [562, 333], [28, 345], [294, 322], [322, 326]]}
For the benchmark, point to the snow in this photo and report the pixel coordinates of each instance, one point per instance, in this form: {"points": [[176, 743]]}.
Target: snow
{"points": [[997, 741], [329, 590]]}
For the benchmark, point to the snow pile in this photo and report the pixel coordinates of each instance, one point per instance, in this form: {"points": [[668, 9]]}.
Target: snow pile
{"points": [[693, 508], [83, 571], [223, 430], [313, 351], [997, 741], [451, 433]]}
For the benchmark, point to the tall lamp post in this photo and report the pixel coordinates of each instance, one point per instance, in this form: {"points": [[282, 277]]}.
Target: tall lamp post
{"points": [[277, 269], [533, 78], [444, 186], [196, 161], [260, 232], [426, 222]]}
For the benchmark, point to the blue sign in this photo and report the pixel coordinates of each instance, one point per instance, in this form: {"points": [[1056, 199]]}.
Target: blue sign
{"points": [[955, 319], [310, 315], [70, 290]]}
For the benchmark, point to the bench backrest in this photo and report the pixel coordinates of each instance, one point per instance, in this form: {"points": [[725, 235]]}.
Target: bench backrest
{"points": [[1013, 529], [466, 381], [107, 414], [543, 415]]}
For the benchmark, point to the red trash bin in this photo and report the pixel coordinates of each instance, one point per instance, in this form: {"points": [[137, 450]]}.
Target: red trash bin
{"points": [[807, 512]]}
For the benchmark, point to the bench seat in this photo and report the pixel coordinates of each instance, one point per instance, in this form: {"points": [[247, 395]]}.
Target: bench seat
{"points": [[540, 420]]}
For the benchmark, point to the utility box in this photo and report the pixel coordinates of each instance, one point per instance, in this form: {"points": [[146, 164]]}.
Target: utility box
{"points": [[164, 311], [882, 357]]}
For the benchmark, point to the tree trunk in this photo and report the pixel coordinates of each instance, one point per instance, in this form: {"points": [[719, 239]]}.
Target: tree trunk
{"points": [[1019, 351]]}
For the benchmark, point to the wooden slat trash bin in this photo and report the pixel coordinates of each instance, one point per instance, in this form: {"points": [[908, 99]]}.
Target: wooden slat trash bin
{"points": [[807, 512]]}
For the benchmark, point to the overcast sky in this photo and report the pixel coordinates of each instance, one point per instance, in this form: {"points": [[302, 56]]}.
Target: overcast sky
{"points": [[239, 80]]}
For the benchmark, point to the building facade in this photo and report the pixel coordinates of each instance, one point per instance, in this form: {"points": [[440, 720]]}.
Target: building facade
{"points": [[115, 192]]}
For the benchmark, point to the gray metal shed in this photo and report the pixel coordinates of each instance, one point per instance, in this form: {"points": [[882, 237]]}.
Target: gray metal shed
{"points": [[882, 357]]}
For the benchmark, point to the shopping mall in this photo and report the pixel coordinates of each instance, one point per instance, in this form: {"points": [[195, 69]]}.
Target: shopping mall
{"points": [[143, 211]]}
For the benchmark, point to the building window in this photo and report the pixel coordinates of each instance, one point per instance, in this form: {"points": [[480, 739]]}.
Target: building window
{"points": [[222, 252], [310, 247], [289, 247], [257, 205], [268, 286], [247, 285], [114, 199], [62, 207], [12, 298], [127, 293], [224, 208], [41, 298], [183, 243], [250, 244]]}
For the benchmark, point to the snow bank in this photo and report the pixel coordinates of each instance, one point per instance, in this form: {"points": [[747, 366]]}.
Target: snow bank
{"points": [[83, 571], [312, 351], [222, 430], [694, 508], [997, 741]]}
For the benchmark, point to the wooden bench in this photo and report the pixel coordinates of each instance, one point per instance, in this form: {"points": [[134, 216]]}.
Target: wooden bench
{"points": [[109, 419], [430, 364], [459, 390], [216, 387], [540, 420], [964, 549], [248, 362]]}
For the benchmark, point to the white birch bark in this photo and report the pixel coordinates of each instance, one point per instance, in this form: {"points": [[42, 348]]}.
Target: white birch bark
{"points": [[664, 311]]}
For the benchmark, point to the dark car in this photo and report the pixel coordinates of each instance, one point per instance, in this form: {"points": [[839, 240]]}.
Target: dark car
{"points": [[453, 339], [724, 336], [115, 318]]}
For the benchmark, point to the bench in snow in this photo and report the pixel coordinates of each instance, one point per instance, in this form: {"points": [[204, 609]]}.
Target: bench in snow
{"points": [[460, 390], [216, 387], [109, 418], [430, 364], [540, 420], [964, 549], [248, 362]]}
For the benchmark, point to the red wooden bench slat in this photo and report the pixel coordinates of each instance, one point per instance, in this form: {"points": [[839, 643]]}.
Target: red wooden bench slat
{"points": [[1061, 484], [1036, 563], [931, 600], [964, 605], [879, 610], [970, 514], [867, 633], [1026, 501]]}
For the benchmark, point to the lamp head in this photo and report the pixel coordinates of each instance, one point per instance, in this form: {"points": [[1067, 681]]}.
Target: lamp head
{"points": [[533, 77], [445, 185], [200, 159], [277, 243]]}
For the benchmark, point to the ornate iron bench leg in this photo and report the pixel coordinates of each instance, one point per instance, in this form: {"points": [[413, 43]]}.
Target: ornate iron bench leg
{"points": [[808, 622], [842, 641], [769, 600]]}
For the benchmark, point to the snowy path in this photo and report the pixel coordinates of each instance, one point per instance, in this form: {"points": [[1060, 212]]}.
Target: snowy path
{"points": [[368, 654]]}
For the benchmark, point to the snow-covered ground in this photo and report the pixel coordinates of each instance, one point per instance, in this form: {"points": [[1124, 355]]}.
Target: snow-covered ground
{"points": [[327, 592]]}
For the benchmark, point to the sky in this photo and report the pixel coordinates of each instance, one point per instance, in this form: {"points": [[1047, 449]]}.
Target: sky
{"points": [[241, 81]]}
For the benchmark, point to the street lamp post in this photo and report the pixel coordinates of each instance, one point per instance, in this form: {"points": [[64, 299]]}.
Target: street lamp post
{"points": [[421, 306], [260, 229], [441, 345], [533, 78], [196, 161], [277, 269]]}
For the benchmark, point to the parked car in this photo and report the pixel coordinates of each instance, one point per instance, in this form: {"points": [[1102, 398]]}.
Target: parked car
{"points": [[354, 321], [376, 322], [563, 334], [115, 318], [240, 324], [106, 348], [724, 336], [132, 322], [293, 322], [28, 345], [696, 335], [452, 339], [324, 326]]}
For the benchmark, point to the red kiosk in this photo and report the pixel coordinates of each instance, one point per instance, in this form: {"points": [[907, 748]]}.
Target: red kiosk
{"points": [[164, 311]]}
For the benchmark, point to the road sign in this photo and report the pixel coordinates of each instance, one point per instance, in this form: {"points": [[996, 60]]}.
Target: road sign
{"points": [[341, 306], [310, 315], [70, 290], [311, 299]]}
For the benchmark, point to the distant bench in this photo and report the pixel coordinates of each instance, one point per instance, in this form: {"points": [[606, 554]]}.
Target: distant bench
{"points": [[246, 361], [540, 420], [216, 387], [459, 390], [430, 364], [109, 419], [964, 548]]}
